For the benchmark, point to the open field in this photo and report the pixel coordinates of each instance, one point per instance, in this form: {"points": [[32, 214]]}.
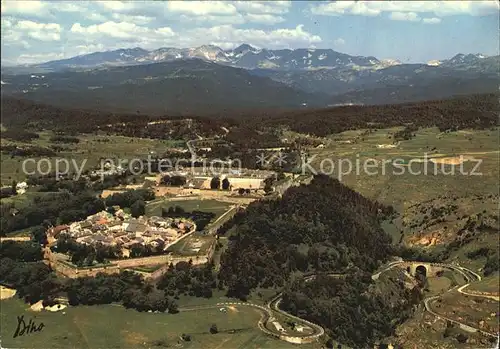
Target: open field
{"points": [[153, 208], [20, 201], [115, 327], [488, 284], [195, 244], [424, 330], [88, 152], [474, 311], [403, 190], [438, 285]]}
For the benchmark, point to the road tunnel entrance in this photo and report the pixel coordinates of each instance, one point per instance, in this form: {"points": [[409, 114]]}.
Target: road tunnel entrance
{"points": [[422, 270]]}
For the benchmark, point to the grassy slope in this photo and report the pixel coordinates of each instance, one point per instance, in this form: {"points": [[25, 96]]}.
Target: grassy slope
{"points": [[115, 327], [405, 190], [90, 149], [400, 191], [409, 194], [214, 206]]}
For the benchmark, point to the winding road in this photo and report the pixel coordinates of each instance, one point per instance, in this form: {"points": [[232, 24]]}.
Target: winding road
{"points": [[272, 307], [470, 277]]}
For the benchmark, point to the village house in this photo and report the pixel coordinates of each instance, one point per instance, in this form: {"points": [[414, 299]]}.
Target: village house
{"points": [[112, 230]]}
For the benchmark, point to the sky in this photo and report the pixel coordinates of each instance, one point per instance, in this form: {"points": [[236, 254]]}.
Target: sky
{"points": [[410, 31]]}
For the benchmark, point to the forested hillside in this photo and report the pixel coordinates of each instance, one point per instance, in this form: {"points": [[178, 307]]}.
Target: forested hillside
{"points": [[354, 309], [421, 89], [475, 111], [324, 228], [22, 114]]}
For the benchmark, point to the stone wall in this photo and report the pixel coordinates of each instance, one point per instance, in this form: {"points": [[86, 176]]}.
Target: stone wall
{"points": [[283, 186], [298, 340], [143, 261], [212, 229], [108, 192], [67, 270]]}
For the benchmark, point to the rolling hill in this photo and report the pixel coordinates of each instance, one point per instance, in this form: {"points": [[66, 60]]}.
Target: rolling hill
{"points": [[191, 85], [198, 85]]}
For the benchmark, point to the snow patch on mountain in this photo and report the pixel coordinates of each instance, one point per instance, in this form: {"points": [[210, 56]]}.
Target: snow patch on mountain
{"points": [[388, 62], [243, 56], [434, 63]]}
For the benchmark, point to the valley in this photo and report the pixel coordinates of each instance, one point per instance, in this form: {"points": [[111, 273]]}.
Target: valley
{"points": [[247, 174], [435, 218]]}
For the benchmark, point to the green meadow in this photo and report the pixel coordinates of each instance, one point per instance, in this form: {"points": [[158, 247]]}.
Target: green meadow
{"points": [[88, 152], [112, 326]]}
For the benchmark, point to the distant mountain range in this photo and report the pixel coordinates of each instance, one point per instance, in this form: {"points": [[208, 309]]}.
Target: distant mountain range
{"points": [[194, 79], [192, 86], [244, 56], [339, 81]]}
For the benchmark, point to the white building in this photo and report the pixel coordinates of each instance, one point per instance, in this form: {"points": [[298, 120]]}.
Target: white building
{"points": [[21, 187]]}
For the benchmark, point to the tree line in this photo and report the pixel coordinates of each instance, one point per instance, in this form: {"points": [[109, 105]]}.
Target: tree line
{"points": [[22, 268], [57, 208], [319, 228], [67, 201], [200, 218], [475, 111]]}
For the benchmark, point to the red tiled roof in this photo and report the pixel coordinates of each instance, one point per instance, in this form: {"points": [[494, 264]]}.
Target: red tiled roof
{"points": [[56, 230]]}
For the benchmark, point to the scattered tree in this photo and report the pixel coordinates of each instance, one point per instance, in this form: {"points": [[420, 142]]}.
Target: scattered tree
{"points": [[39, 234], [215, 183], [138, 208], [462, 338], [213, 329]]}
